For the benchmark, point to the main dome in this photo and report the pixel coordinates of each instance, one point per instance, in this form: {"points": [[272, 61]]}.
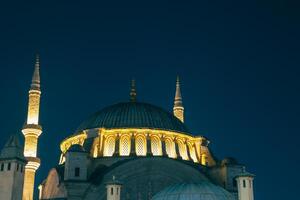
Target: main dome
{"points": [[133, 115]]}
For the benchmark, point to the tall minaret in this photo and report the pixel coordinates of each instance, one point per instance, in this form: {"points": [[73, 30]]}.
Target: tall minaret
{"points": [[178, 109], [32, 130]]}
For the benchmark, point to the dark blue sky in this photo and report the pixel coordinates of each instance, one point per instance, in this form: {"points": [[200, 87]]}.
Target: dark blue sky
{"points": [[238, 61]]}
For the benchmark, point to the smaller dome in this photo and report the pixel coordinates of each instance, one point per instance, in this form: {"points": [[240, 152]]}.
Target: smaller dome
{"points": [[76, 148], [194, 191]]}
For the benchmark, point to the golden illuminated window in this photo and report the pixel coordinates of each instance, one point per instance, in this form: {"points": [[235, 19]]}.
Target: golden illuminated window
{"points": [[170, 148], [109, 147], [182, 150], [124, 146], [192, 152], [95, 151], [140, 143], [155, 146]]}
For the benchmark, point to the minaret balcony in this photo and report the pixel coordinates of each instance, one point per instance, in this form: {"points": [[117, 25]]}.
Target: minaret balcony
{"points": [[32, 130]]}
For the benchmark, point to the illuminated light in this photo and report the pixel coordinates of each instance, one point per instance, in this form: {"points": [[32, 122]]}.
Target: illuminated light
{"points": [[192, 151], [105, 144], [95, 151], [32, 166], [33, 107], [156, 146], [203, 159], [179, 113], [62, 159], [76, 139], [109, 147], [182, 149], [140, 145], [170, 148], [125, 145]]}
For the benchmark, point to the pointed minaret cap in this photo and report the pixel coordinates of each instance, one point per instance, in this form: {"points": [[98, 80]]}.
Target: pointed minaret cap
{"points": [[133, 91], [178, 98], [36, 82], [12, 149]]}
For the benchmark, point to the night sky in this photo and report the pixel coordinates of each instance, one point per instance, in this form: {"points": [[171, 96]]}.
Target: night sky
{"points": [[238, 62]]}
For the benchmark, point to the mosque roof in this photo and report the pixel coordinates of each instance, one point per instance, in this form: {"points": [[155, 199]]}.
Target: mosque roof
{"points": [[12, 149], [134, 115], [194, 191]]}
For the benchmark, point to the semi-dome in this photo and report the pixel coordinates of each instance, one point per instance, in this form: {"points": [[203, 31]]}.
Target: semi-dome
{"points": [[133, 115], [203, 190]]}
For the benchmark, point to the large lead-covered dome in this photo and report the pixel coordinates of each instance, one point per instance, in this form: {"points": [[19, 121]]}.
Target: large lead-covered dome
{"points": [[133, 115]]}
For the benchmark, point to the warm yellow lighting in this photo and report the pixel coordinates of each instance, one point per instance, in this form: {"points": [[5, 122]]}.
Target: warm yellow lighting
{"points": [[105, 145], [203, 159], [179, 113], [33, 107], [32, 166]]}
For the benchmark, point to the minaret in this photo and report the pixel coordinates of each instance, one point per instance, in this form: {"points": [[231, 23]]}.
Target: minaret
{"points": [[32, 130], [133, 91], [178, 109], [245, 186]]}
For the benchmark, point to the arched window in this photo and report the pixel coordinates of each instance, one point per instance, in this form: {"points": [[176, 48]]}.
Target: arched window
{"points": [[182, 150], [8, 166], [170, 148], [125, 146], [109, 147], [156, 146], [192, 152], [140, 142], [2, 167]]}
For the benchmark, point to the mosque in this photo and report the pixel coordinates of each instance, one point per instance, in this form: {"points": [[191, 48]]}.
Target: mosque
{"points": [[127, 151]]}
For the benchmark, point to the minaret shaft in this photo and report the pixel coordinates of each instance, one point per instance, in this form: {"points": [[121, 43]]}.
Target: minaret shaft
{"points": [[32, 130], [178, 109], [33, 107]]}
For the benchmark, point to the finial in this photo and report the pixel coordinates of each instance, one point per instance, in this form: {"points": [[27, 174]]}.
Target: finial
{"points": [[178, 98], [35, 84], [178, 109], [133, 91]]}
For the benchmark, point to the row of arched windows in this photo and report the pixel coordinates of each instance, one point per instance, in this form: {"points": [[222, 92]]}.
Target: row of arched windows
{"points": [[185, 150]]}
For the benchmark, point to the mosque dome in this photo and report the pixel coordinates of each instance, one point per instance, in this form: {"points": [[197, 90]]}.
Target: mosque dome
{"points": [[133, 115], [203, 190]]}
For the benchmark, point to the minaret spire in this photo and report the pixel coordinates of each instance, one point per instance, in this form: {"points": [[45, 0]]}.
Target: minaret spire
{"points": [[178, 109], [31, 131], [133, 91], [36, 80]]}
